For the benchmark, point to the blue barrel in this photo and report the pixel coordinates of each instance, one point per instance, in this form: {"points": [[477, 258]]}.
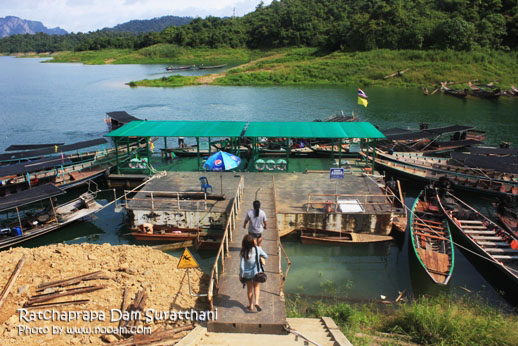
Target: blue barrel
{"points": [[16, 231]]}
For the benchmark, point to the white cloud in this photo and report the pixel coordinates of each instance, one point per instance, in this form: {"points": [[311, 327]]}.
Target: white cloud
{"points": [[90, 15]]}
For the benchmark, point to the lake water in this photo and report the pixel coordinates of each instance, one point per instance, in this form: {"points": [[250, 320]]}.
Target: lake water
{"points": [[43, 102]]}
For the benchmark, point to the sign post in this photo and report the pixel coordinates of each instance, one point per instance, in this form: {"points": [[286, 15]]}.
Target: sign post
{"points": [[187, 261], [336, 173]]}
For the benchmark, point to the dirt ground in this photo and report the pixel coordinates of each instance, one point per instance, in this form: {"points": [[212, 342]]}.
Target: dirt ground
{"points": [[131, 267]]}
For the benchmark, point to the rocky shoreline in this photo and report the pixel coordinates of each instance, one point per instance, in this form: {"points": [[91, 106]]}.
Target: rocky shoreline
{"points": [[144, 273]]}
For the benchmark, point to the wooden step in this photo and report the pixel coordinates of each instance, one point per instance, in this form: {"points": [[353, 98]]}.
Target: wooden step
{"points": [[485, 238], [473, 227], [471, 221], [426, 225], [500, 250], [506, 257], [479, 232], [493, 243]]}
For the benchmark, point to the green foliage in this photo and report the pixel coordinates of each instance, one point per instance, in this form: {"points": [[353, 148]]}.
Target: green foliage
{"points": [[443, 320], [150, 25], [344, 25], [171, 81]]}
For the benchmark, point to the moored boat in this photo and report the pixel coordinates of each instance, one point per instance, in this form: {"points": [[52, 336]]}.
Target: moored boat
{"points": [[318, 236], [431, 237], [490, 241], [202, 67], [453, 92], [507, 213], [180, 68], [479, 92], [150, 232], [32, 224]]}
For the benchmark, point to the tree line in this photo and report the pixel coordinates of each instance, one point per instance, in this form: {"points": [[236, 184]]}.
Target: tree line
{"points": [[347, 25]]}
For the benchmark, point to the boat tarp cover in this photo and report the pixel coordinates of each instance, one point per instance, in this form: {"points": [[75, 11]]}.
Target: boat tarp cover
{"points": [[459, 143], [33, 166], [502, 164], [428, 133], [52, 150], [313, 130], [122, 117], [180, 129], [16, 147], [395, 131], [494, 151], [29, 196]]}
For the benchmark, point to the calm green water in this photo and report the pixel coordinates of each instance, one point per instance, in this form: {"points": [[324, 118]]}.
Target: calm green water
{"points": [[42, 103]]}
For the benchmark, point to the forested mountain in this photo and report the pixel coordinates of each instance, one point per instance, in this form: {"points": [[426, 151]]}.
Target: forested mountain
{"points": [[11, 25], [149, 25], [347, 25]]}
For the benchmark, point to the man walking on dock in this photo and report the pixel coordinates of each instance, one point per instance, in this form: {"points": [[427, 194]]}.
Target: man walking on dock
{"points": [[257, 219]]}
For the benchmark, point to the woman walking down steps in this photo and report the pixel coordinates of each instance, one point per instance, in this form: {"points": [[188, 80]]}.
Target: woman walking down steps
{"points": [[249, 268]]}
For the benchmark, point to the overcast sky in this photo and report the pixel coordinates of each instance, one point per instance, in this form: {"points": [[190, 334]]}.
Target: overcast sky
{"points": [[90, 15]]}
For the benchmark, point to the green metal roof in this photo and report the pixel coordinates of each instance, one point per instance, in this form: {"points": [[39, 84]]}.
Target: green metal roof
{"points": [[180, 129], [273, 129], [313, 130]]}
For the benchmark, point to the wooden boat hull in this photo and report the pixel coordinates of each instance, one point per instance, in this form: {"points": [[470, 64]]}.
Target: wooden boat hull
{"points": [[163, 237], [64, 220], [431, 240], [483, 240], [330, 237], [459, 181]]}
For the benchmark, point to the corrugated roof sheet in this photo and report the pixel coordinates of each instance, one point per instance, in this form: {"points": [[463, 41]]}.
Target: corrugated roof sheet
{"points": [[313, 130], [272, 129], [180, 129]]}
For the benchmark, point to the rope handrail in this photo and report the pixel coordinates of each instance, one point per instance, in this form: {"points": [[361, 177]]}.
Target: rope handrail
{"points": [[229, 228]]}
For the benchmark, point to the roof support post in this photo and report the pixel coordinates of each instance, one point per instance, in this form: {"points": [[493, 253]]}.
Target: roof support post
{"points": [[198, 151], [340, 154], [148, 151], [165, 146], [287, 154], [373, 155], [209, 146], [332, 149], [19, 220], [117, 154]]}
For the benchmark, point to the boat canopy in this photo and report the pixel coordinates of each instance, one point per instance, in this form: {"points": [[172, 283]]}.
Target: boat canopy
{"points": [[33, 166], [180, 129], [122, 117], [427, 133], [502, 164], [29, 196], [17, 147], [252, 129], [52, 150], [494, 151]]}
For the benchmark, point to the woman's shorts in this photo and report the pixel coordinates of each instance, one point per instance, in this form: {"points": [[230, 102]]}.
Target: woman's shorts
{"points": [[255, 235]]}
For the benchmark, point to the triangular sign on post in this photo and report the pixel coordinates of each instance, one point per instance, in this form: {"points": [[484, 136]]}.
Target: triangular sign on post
{"points": [[187, 261]]}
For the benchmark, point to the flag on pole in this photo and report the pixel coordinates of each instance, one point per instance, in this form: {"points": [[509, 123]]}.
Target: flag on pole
{"points": [[362, 98]]}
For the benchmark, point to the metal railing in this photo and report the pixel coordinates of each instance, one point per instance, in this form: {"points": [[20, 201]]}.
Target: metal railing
{"points": [[363, 200], [281, 250], [153, 200], [223, 248]]}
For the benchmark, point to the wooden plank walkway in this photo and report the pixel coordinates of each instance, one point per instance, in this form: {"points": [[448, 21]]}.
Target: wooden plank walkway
{"points": [[231, 300]]}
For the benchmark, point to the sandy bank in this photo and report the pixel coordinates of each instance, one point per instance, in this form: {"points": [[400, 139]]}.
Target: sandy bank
{"points": [[133, 267]]}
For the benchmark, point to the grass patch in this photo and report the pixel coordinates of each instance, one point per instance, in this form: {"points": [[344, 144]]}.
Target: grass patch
{"points": [[443, 320], [171, 81], [161, 54]]}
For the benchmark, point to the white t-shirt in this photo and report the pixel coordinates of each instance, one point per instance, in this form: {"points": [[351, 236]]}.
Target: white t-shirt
{"points": [[255, 223]]}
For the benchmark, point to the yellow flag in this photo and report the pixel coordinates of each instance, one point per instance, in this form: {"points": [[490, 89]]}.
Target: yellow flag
{"points": [[362, 101]]}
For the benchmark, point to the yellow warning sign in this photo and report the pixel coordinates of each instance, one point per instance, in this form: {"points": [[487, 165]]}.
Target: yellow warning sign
{"points": [[187, 261]]}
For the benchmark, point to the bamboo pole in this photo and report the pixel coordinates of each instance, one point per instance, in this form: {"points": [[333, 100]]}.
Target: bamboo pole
{"points": [[12, 279]]}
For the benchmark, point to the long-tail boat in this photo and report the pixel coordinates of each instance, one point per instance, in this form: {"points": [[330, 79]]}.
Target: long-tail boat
{"points": [[426, 169], [39, 221], [180, 68], [453, 92], [202, 67], [479, 92], [150, 232], [319, 236], [507, 213], [431, 237], [490, 241]]}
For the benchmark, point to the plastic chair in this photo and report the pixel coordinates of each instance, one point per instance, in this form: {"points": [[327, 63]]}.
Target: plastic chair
{"points": [[205, 184]]}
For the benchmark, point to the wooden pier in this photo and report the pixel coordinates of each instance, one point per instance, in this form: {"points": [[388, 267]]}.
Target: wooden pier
{"points": [[231, 298]]}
